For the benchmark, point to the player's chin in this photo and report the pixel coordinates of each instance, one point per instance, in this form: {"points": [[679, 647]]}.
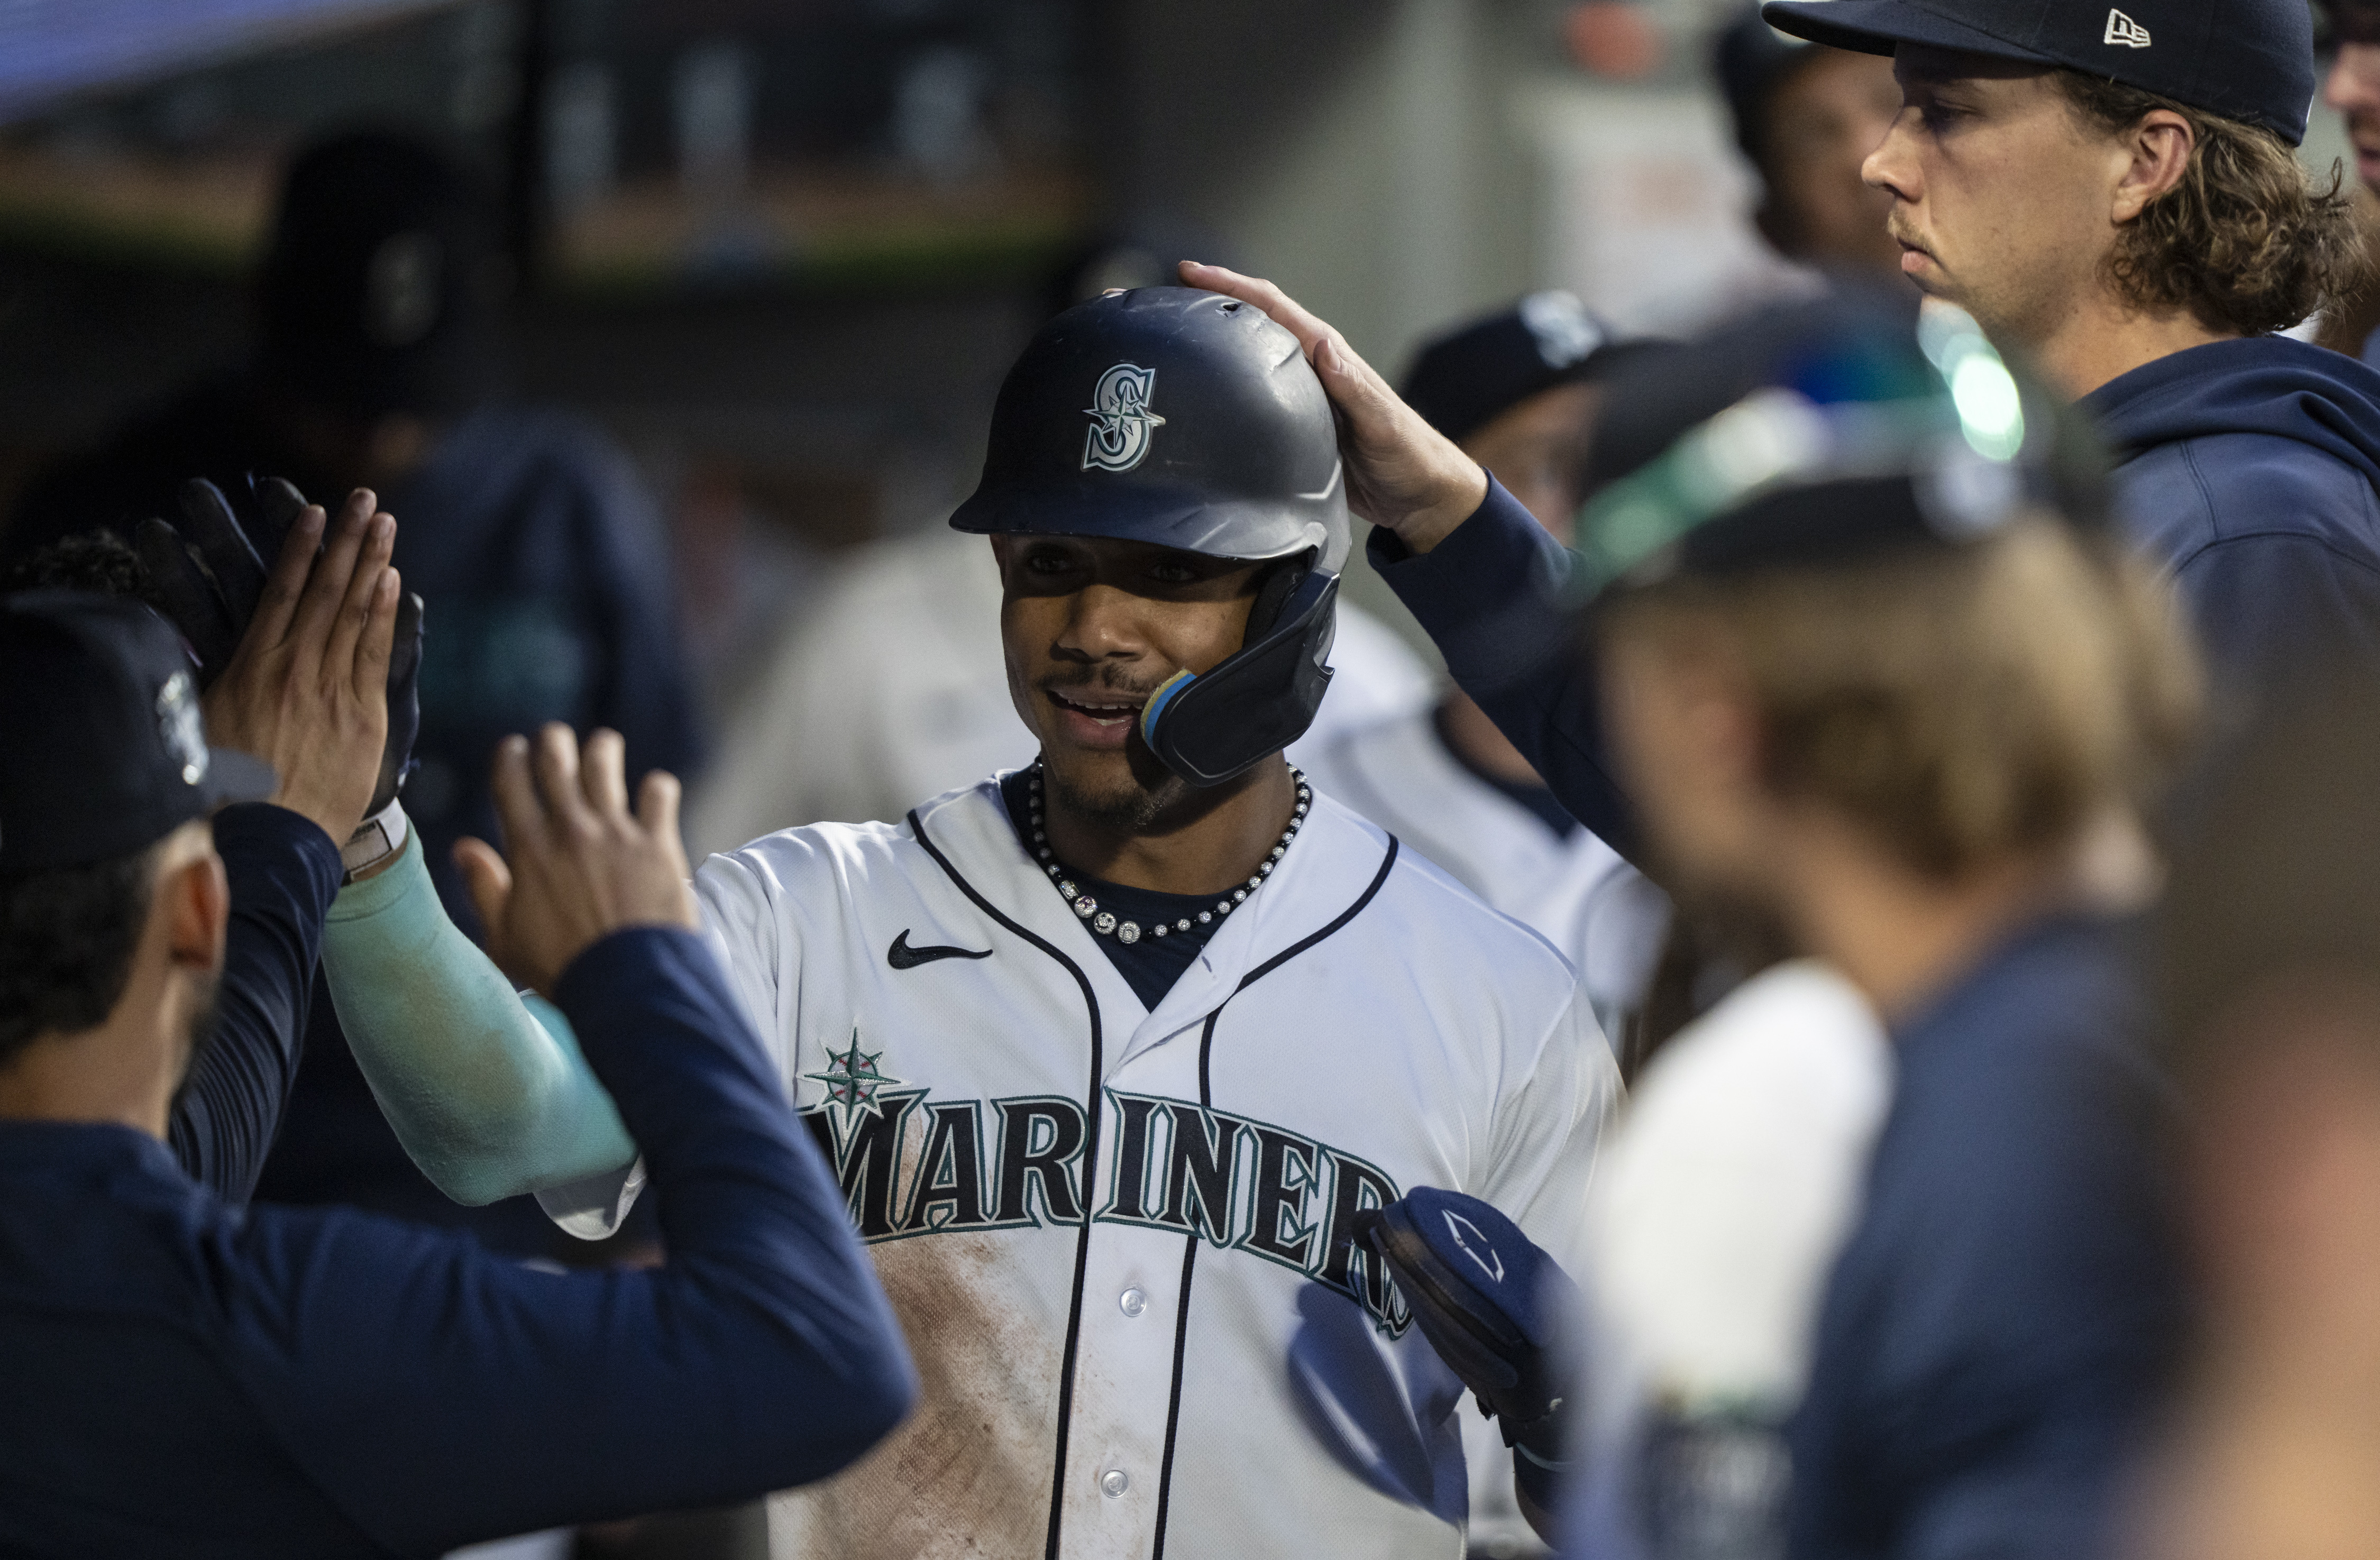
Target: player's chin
{"points": [[1112, 784]]}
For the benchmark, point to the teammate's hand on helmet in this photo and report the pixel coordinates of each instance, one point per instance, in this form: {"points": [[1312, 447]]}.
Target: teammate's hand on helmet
{"points": [[1402, 473], [579, 864], [211, 575], [307, 689]]}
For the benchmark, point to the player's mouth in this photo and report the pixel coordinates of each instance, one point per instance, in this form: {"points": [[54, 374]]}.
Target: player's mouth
{"points": [[1914, 257], [1097, 717]]}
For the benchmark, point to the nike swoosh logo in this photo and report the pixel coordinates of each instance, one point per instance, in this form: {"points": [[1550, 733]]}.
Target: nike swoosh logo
{"points": [[900, 956]]}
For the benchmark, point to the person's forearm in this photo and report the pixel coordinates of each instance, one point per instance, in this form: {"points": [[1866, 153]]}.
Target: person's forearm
{"points": [[1492, 595], [760, 1355], [283, 871], [488, 1101]]}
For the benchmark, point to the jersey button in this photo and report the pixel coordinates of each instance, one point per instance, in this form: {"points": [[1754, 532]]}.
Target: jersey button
{"points": [[1114, 1481], [1133, 1301]]}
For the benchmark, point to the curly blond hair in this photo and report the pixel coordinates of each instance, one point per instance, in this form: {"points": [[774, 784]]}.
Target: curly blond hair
{"points": [[2248, 241]]}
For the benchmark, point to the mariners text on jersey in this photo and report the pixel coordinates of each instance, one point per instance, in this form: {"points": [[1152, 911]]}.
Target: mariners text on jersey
{"points": [[1234, 1182], [1117, 1237]]}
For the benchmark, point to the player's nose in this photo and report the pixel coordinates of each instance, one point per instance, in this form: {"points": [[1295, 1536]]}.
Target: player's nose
{"points": [[1891, 166], [1103, 622]]}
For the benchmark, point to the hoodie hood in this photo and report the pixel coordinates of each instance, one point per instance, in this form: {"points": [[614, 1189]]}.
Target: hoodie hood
{"points": [[2257, 385], [2251, 469]]}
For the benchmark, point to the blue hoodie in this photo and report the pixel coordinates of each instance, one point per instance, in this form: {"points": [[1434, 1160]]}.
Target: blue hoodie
{"points": [[2249, 468]]}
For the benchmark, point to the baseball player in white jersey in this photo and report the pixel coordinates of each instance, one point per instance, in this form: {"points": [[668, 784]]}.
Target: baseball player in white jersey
{"points": [[1114, 1054]]}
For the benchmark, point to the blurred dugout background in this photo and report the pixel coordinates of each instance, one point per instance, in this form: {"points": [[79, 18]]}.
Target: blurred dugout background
{"points": [[783, 248]]}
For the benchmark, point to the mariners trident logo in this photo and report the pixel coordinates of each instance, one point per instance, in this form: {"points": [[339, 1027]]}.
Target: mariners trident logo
{"points": [[1121, 420]]}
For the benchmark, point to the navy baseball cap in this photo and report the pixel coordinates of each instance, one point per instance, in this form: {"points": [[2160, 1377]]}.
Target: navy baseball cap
{"points": [[1464, 380], [103, 753], [1814, 434], [2249, 60]]}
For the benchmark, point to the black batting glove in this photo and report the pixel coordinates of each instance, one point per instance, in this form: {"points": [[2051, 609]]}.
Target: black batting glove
{"points": [[210, 572]]}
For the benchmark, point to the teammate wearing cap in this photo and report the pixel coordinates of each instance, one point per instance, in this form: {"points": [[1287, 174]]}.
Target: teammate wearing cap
{"points": [[1873, 662], [1997, 1325], [1110, 1052], [1805, 118], [1520, 390], [2111, 192], [186, 1372], [378, 306]]}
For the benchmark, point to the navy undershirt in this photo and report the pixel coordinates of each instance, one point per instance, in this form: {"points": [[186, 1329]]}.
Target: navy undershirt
{"points": [[1536, 796], [1151, 965]]}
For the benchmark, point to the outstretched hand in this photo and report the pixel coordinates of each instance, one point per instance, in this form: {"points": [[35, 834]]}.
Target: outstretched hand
{"points": [[581, 864], [1402, 473], [306, 689]]}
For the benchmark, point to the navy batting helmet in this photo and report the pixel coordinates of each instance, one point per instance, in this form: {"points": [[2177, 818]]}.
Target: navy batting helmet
{"points": [[1189, 421]]}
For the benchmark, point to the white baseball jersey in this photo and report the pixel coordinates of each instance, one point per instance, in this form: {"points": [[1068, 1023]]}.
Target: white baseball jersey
{"points": [[1119, 1239], [1724, 1196], [930, 710], [1603, 914]]}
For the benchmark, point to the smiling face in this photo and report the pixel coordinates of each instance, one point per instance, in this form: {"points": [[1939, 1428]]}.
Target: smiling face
{"points": [[1090, 628], [2002, 199]]}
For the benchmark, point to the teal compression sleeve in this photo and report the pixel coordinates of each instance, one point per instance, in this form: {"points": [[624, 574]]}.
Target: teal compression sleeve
{"points": [[489, 1098]]}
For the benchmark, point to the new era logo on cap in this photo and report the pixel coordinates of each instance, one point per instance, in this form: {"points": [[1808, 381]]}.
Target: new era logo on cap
{"points": [[2123, 29], [2248, 60]]}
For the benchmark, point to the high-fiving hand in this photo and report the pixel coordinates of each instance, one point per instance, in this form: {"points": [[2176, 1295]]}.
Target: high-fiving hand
{"points": [[306, 689], [1402, 473], [210, 573], [581, 865]]}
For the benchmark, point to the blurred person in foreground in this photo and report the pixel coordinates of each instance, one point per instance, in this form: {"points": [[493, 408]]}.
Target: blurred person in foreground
{"points": [[378, 364], [1520, 390], [1806, 117], [186, 1373], [1795, 665], [2269, 964], [2114, 196], [1826, 734]]}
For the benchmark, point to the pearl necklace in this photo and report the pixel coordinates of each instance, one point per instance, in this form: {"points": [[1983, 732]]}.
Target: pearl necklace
{"points": [[1105, 923]]}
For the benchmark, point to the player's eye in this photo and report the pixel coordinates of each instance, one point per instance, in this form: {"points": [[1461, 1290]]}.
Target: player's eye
{"points": [[1048, 560], [1172, 573]]}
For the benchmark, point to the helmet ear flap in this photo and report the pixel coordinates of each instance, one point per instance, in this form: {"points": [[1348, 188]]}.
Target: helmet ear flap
{"points": [[1280, 582]]}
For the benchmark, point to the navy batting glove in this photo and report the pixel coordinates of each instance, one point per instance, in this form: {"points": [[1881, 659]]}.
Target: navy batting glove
{"points": [[1491, 1300]]}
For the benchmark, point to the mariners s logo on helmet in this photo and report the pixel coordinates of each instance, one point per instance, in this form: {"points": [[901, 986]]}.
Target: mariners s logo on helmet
{"points": [[1121, 420]]}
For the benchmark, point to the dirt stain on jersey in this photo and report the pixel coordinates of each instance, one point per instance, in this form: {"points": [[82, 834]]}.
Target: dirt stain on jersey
{"points": [[968, 1474]]}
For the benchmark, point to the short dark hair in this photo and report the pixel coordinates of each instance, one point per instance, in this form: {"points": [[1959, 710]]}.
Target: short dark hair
{"points": [[66, 938], [94, 560], [2248, 241]]}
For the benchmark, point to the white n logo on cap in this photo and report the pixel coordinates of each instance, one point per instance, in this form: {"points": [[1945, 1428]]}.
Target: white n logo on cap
{"points": [[2123, 29]]}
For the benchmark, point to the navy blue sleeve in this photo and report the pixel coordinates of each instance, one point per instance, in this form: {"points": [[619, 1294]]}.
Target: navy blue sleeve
{"points": [[439, 1395], [284, 872], [1491, 597]]}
